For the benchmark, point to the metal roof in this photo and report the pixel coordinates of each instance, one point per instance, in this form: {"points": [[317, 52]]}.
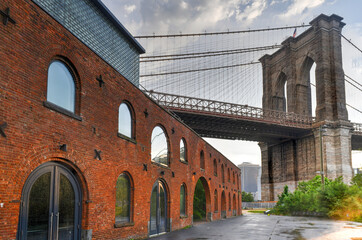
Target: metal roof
{"points": [[118, 24]]}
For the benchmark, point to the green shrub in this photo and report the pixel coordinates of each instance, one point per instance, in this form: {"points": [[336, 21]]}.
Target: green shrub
{"points": [[247, 197], [335, 199]]}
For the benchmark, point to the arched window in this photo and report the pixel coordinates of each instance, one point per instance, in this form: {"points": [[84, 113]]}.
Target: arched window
{"points": [[159, 146], [215, 167], [308, 78], [233, 178], [228, 175], [61, 86], [202, 160], [229, 202], [216, 204], [237, 181], [123, 199], [183, 150], [222, 174], [125, 121], [313, 92], [183, 200]]}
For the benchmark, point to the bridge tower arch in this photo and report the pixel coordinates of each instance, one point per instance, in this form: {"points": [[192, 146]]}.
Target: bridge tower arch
{"points": [[288, 162]]}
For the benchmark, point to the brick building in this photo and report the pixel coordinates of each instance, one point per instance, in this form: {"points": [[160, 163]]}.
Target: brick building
{"points": [[76, 158]]}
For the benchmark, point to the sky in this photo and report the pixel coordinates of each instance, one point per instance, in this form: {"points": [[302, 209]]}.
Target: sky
{"points": [[146, 17]]}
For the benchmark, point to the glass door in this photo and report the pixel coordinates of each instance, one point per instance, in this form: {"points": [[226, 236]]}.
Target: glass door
{"points": [[51, 208], [158, 215]]}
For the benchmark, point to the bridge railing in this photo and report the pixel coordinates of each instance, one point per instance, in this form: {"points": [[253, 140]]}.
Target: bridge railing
{"points": [[357, 128], [190, 104]]}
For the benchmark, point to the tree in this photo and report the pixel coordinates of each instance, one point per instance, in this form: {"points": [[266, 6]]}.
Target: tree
{"points": [[247, 197]]}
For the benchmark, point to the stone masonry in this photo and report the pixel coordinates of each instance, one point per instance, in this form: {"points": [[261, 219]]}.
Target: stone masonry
{"points": [[291, 161]]}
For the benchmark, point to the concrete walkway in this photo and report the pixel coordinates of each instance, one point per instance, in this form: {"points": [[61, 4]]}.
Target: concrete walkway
{"points": [[259, 227]]}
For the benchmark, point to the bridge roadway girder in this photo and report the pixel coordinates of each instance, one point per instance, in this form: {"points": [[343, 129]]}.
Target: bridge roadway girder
{"points": [[356, 141], [212, 126]]}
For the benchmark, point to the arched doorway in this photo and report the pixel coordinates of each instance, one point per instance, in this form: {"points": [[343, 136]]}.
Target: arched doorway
{"points": [[202, 201], [158, 215], [223, 205], [52, 204]]}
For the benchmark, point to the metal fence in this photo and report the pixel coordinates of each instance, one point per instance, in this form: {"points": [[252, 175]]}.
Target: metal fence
{"points": [[249, 205]]}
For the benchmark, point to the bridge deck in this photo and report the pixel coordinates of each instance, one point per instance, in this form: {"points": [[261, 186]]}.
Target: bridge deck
{"points": [[233, 121]]}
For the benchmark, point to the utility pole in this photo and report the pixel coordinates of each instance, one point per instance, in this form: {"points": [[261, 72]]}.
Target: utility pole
{"points": [[321, 153]]}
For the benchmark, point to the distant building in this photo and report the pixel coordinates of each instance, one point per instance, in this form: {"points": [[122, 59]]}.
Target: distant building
{"points": [[251, 179], [357, 170]]}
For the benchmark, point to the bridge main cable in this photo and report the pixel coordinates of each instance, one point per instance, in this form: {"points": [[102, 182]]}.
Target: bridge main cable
{"points": [[220, 33]]}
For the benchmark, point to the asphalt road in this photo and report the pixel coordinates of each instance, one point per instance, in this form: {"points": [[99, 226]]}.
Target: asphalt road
{"points": [[259, 227]]}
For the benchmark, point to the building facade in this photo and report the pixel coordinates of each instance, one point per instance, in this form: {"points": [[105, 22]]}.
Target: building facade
{"points": [[84, 153], [250, 178]]}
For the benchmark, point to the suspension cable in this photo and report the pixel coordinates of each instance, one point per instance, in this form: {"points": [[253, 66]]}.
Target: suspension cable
{"points": [[220, 33], [207, 54], [353, 80], [351, 43], [354, 108], [198, 70]]}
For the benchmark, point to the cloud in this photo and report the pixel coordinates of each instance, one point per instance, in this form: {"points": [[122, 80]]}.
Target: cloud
{"points": [[164, 16], [300, 7], [251, 11], [130, 8]]}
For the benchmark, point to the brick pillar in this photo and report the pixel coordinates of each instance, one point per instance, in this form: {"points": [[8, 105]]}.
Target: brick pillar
{"points": [[336, 147], [267, 193]]}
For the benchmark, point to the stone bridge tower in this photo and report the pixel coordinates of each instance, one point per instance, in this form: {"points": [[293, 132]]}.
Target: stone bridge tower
{"points": [[290, 161]]}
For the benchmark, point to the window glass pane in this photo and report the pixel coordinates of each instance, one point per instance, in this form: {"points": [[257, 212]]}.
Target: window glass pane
{"points": [[66, 209], [159, 148], [182, 200], [124, 120], [182, 151], [123, 199], [202, 160], [153, 220], [61, 88], [39, 208], [215, 200], [163, 200]]}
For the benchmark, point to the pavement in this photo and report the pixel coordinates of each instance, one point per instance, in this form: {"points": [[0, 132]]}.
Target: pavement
{"points": [[256, 226]]}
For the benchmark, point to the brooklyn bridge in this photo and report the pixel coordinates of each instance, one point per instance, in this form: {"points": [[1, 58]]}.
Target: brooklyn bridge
{"points": [[302, 126]]}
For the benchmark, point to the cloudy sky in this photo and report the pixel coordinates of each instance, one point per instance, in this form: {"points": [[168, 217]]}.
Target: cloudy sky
{"points": [[146, 17]]}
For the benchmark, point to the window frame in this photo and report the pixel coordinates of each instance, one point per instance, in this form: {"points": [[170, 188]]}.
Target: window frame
{"points": [[168, 147], [183, 215], [133, 123], [215, 167], [202, 160], [74, 74], [185, 151], [216, 201], [130, 207]]}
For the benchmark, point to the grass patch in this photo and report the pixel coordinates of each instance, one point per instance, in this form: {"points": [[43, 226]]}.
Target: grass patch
{"points": [[187, 227], [256, 211]]}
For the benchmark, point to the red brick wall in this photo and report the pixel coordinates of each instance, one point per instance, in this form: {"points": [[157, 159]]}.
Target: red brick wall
{"points": [[35, 132]]}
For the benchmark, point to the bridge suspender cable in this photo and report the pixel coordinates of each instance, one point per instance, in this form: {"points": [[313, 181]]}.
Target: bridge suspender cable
{"points": [[198, 70], [205, 54], [354, 108], [351, 43], [360, 85], [220, 33]]}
